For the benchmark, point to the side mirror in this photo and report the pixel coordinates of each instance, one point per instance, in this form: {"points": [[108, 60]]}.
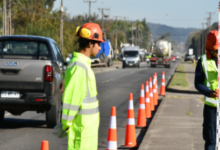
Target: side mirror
{"points": [[67, 60]]}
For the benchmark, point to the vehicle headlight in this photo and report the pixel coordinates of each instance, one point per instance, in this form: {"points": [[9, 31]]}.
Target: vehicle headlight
{"points": [[123, 58]]}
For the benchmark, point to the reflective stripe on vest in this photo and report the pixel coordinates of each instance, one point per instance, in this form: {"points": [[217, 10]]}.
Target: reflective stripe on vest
{"points": [[207, 99], [204, 58], [86, 100]]}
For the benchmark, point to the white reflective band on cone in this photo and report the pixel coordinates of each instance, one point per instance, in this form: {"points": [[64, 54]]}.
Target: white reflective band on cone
{"points": [[154, 90], [163, 76], [162, 83], [156, 86], [112, 145], [112, 124], [150, 85], [147, 88], [147, 100], [154, 82], [151, 94], [142, 106], [130, 121], [130, 104], [142, 93]]}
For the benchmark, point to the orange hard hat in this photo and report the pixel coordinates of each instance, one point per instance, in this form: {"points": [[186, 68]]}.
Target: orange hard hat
{"points": [[212, 40], [91, 31]]}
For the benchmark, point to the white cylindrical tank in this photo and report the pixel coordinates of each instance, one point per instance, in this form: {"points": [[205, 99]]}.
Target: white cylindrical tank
{"points": [[161, 48]]}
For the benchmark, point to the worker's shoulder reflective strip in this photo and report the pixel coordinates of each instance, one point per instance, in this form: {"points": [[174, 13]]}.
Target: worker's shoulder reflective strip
{"points": [[67, 117], [204, 61], [70, 106], [211, 100], [88, 111], [78, 64]]}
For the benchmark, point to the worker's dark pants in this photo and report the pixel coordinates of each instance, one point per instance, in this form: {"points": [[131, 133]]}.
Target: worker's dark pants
{"points": [[209, 127]]}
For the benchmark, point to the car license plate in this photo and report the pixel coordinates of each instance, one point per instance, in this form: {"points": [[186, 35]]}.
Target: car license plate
{"points": [[10, 94], [130, 64]]}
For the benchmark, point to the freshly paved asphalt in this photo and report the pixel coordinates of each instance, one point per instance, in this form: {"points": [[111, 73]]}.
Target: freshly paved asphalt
{"points": [[26, 132]]}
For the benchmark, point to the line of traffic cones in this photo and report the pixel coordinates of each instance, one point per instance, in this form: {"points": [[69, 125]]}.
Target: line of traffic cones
{"points": [[148, 100]]}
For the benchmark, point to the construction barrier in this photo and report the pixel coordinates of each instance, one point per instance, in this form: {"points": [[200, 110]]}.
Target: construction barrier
{"points": [[112, 131], [151, 95], [147, 102], [141, 120], [162, 87], [44, 145], [130, 135], [155, 91]]}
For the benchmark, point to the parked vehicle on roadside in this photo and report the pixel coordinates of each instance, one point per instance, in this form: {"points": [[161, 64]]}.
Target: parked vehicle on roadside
{"points": [[131, 57], [188, 58], [142, 55], [31, 76]]}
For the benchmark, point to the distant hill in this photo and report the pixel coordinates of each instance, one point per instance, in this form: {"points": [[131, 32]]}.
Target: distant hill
{"points": [[176, 34]]}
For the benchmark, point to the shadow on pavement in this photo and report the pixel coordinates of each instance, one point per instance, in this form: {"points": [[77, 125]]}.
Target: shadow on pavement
{"points": [[10, 123], [182, 91]]}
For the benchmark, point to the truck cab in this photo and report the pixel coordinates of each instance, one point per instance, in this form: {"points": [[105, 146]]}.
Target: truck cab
{"points": [[131, 57]]}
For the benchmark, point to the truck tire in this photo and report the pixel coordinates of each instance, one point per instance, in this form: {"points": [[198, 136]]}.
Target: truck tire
{"points": [[2, 115], [53, 115]]}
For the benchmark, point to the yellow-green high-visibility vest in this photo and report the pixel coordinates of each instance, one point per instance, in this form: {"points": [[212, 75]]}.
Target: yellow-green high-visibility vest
{"points": [[80, 105], [211, 73]]}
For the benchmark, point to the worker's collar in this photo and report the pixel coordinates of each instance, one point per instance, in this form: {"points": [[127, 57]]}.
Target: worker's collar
{"points": [[82, 57]]}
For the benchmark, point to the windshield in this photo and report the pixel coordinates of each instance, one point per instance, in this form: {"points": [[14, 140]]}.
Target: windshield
{"points": [[21, 48], [131, 54]]}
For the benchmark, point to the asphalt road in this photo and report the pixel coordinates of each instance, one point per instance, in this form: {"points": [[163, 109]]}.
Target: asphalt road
{"points": [[26, 132]]}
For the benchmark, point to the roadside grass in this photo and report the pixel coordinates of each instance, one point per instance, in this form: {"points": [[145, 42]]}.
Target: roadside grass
{"points": [[179, 80]]}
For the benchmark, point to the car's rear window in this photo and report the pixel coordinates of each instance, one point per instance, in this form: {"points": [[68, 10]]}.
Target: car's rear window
{"points": [[28, 49]]}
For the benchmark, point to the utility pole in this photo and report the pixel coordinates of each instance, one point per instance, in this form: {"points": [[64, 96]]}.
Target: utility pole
{"points": [[125, 30], [202, 45], [89, 1], [61, 27], [132, 27], [9, 17], [4, 18], [116, 34], [209, 19], [102, 11]]}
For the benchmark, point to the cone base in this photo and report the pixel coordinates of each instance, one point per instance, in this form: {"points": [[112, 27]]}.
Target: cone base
{"points": [[127, 147]]}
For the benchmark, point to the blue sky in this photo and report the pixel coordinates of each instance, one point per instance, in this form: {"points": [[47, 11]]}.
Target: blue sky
{"points": [[175, 13]]}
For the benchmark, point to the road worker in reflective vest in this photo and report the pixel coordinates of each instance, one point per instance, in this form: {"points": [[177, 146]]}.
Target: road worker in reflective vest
{"points": [[206, 82], [80, 114]]}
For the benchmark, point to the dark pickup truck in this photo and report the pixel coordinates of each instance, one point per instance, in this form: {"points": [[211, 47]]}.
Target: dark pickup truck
{"points": [[31, 76]]}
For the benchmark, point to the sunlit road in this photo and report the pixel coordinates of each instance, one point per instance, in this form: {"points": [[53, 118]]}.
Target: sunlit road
{"points": [[26, 132]]}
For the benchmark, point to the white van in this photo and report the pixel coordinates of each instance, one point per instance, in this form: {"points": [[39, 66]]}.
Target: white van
{"points": [[131, 57]]}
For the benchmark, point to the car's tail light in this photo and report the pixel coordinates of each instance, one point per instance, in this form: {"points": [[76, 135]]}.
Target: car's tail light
{"points": [[41, 99], [48, 75], [153, 58]]}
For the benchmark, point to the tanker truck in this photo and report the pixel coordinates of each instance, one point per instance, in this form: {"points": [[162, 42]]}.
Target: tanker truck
{"points": [[161, 54]]}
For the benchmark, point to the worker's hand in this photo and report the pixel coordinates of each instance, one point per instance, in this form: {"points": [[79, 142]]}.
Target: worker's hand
{"points": [[60, 132], [213, 94]]}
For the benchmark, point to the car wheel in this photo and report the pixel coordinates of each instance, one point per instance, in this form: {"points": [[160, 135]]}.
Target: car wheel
{"points": [[2, 115], [53, 115]]}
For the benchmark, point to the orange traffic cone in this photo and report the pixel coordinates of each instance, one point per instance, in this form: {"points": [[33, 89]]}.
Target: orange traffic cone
{"points": [[141, 120], [130, 135], [44, 145], [155, 91], [151, 95], [112, 132], [147, 102], [156, 85], [162, 87]]}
